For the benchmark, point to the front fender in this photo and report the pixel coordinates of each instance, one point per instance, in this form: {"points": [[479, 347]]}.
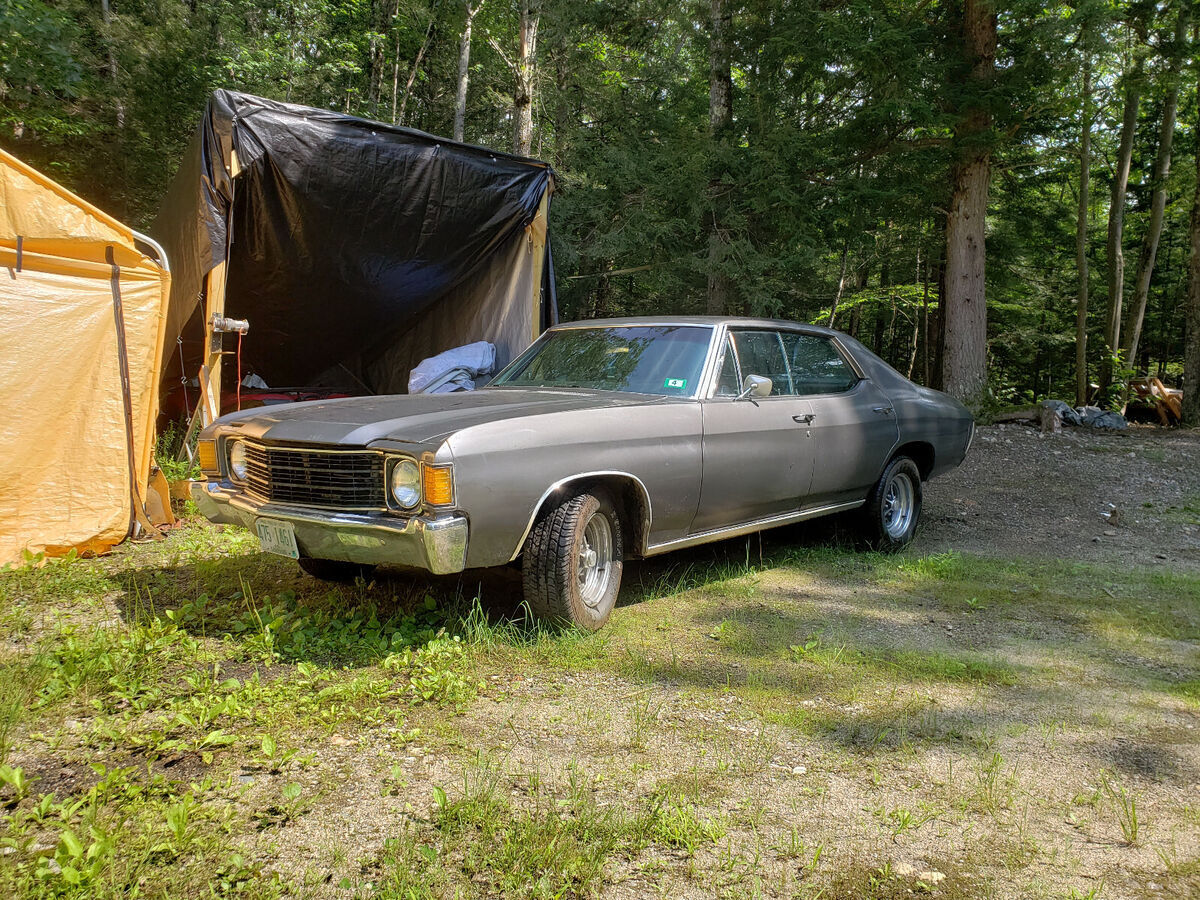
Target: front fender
{"points": [[505, 473]]}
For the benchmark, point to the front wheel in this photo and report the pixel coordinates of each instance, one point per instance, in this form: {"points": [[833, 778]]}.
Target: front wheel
{"points": [[889, 517], [572, 562]]}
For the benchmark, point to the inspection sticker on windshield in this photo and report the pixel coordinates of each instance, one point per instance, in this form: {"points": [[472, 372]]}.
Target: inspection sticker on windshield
{"points": [[675, 383]]}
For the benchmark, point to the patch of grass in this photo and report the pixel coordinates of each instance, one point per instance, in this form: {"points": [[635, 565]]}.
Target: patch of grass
{"points": [[1125, 807], [26, 590], [553, 843], [694, 576], [1187, 513], [528, 639], [1189, 690], [734, 636], [126, 832], [937, 566], [865, 881], [96, 709], [916, 665], [994, 784], [817, 651], [412, 866], [284, 627]]}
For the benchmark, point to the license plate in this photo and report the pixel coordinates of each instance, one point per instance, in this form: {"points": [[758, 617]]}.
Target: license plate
{"points": [[277, 537]]}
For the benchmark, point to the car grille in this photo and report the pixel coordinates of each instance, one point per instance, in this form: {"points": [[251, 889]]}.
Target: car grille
{"points": [[339, 480]]}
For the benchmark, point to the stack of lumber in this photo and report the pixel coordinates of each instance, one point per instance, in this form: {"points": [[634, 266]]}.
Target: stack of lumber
{"points": [[1166, 402]]}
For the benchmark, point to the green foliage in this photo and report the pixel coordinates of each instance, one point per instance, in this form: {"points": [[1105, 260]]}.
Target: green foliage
{"points": [[285, 628], [1124, 804], [834, 173], [167, 452]]}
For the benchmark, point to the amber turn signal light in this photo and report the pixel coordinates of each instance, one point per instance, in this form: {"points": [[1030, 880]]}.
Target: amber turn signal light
{"points": [[439, 485], [206, 456]]}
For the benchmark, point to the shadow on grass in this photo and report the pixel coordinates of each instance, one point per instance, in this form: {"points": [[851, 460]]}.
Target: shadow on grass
{"points": [[216, 583], [794, 614]]}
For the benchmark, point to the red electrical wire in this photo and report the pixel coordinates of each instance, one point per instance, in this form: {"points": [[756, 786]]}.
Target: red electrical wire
{"points": [[239, 372]]}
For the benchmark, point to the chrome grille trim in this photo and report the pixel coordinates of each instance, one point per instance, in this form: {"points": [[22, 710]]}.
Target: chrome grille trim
{"points": [[316, 477]]}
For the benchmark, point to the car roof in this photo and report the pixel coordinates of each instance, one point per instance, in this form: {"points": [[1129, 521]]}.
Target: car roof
{"points": [[710, 321]]}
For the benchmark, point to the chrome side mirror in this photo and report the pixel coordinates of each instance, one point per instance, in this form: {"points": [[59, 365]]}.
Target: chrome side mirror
{"points": [[755, 386]]}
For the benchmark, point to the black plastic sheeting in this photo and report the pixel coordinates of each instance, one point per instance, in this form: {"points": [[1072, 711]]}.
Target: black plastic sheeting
{"points": [[338, 230]]}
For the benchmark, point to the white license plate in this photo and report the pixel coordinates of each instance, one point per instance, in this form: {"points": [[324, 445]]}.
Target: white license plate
{"points": [[277, 537]]}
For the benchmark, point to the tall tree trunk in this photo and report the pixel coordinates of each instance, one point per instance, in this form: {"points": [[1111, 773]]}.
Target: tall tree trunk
{"points": [[925, 326], [383, 16], [464, 71], [841, 287], [720, 123], [1081, 230], [885, 281], [861, 278], [1191, 342], [523, 94], [1158, 200], [563, 120], [396, 78], [118, 102], [964, 313], [1116, 215], [938, 325], [916, 333], [416, 67]]}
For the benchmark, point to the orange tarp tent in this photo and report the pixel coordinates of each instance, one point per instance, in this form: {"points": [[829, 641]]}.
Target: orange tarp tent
{"points": [[83, 304]]}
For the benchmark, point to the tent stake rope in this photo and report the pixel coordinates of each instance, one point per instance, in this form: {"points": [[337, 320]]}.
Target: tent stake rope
{"points": [[137, 514]]}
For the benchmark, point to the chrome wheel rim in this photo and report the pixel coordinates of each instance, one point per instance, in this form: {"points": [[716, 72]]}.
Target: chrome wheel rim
{"points": [[899, 505], [594, 564]]}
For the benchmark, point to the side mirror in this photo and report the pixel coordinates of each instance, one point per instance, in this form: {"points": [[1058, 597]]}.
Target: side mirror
{"points": [[755, 386]]}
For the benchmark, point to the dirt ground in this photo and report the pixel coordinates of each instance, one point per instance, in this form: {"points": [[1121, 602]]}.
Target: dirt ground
{"points": [[1080, 494]]}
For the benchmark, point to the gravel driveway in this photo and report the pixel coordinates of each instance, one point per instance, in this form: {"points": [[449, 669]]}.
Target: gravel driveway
{"points": [[1084, 495]]}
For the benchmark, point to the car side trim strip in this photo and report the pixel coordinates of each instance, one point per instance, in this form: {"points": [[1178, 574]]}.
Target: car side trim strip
{"points": [[718, 534]]}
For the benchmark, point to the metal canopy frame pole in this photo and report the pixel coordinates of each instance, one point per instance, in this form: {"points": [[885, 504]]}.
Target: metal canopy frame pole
{"points": [[214, 308]]}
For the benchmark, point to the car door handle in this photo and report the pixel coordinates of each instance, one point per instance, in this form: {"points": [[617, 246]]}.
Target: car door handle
{"points": [[883, 410], [804, 419]]}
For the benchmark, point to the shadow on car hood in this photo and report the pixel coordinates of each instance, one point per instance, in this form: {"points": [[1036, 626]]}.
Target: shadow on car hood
{"points": [[414, 418]]}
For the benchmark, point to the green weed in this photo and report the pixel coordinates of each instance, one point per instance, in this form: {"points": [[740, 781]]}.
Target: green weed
{"points": [[1125, 806]]}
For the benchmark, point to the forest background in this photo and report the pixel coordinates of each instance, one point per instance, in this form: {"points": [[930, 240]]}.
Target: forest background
{"points": [[998, 198]]}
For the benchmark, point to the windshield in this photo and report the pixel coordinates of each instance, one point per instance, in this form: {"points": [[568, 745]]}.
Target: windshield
{"points": [[641, 359]]}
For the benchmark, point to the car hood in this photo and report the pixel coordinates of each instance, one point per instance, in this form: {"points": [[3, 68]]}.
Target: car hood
{"points": [[413, 418]]}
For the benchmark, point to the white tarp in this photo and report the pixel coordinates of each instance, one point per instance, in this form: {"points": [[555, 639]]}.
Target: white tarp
{"points": [[453, 370]]}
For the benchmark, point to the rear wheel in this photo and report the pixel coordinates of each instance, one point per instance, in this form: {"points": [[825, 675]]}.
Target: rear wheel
{"points": [[572, 562], [890, 515], [335, 569]]}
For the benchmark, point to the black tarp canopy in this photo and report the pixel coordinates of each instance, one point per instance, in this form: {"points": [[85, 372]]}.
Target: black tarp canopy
{"points": [[352, 246]]}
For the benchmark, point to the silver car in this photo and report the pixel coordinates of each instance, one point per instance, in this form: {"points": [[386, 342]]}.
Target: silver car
{"points": [[605, 440]]}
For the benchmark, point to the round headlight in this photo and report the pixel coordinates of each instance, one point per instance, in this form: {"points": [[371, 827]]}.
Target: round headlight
{"points": [[406, 484], [237, 460]]}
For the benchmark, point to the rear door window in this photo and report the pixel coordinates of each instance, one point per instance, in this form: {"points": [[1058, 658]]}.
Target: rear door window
{"points": [[817, 366]]}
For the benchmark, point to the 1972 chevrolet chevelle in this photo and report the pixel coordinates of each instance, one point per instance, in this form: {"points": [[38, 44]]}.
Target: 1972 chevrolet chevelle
{"points": [[604, 440]]}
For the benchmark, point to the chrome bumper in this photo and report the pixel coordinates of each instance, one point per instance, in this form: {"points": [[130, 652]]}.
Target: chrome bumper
{"points": [[437, 545]]}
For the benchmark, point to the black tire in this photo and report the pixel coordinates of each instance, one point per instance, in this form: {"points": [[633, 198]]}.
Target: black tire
{"points": [[335, 569], [896, 494], [557, 587]]}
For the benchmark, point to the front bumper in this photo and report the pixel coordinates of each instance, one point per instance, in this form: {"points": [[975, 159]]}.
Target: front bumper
{"points": [[438, 545]]}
